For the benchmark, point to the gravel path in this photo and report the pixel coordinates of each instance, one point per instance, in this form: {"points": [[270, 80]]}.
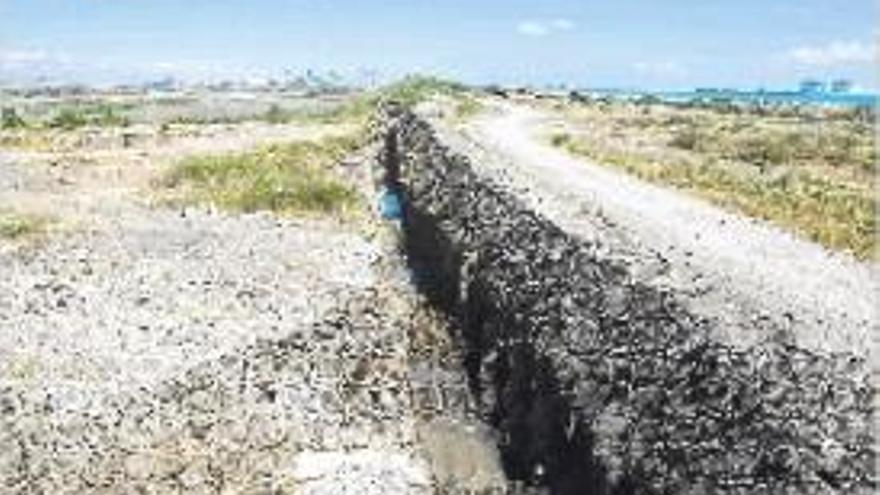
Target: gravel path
{"points": [[749, 274]]}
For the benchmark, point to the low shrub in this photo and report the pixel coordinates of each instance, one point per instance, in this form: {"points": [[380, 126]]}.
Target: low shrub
{"points": [[74, 117], [14, 226], [686, 138], [68, 119], [10, 119], [762, 149]]}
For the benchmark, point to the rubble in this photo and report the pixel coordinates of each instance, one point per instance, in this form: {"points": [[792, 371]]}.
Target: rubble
{"points": [[596, 380]]}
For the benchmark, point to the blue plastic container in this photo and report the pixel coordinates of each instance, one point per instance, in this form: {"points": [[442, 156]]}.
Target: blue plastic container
{"points": [[390, 205]]}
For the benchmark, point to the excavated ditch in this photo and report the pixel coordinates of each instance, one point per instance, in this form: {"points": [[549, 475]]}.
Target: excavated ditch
{"points": [[598, 383], [585, 379]]}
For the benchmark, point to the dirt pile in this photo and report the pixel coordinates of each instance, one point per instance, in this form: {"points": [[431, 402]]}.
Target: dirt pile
{"points": [[596, 380]]}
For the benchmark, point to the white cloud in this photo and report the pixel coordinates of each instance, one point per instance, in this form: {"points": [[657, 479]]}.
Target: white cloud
{"points": [[532, 28], [834, 53], [26, 65], [17, 56], [540, 28], [166, 66], [198, 70], [563, 24]]}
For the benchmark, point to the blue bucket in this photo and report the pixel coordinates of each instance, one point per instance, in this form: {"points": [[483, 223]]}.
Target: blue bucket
{"points": [[390, 205]]}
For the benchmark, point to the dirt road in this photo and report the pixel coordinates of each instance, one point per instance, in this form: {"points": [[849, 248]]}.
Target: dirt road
{"points": [[745, 272]]}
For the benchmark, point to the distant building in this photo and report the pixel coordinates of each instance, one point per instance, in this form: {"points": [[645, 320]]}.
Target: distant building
{"points": [[841, 86], [164, 84], [812, 86]]}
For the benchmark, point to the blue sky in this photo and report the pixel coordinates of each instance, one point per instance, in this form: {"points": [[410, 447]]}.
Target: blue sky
{"points": [[620, 43]]}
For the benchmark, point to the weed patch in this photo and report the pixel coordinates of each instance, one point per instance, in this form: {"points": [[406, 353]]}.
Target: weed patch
{"points": [[15, 226], [10, 119], [414, 90], [294, 178], [74, 117]]}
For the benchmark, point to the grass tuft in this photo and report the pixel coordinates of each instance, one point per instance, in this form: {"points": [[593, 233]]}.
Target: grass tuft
{"points": [[467, 106], [16, 226], [412, 90], [294, 178], [10, 119], [101, 115]]}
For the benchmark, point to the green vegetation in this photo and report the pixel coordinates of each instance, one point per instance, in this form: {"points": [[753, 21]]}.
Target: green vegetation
{"points": [[174, 101], [808, 169], [200, 120], [354, 110], [9, 119], [357, 110], [409, 92], [467, 107], [16, 226], [687, 138], [341, 108], [294, 178], [68, 119], [100, 115], [839, 146], [413, 90], [299, 178], [27, 140], [275, 115], [835, 213]]}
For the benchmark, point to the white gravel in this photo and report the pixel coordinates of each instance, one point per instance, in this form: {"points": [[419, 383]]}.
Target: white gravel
{"points": [[153, 350], [134, 306]]}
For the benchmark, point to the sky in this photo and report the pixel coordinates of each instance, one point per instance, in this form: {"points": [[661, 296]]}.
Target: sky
{"points": [[647, 44]]}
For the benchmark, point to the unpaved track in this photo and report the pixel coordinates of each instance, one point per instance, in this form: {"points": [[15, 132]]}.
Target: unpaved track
{"points": [[750, 275]]}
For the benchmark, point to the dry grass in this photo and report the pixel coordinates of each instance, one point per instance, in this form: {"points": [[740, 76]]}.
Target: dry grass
{"points": [[26, 140], [296, 178], [413, 90], [468, 106], [814, 178], [17, 226]]}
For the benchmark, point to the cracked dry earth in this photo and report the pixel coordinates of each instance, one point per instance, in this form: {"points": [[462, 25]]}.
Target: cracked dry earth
{"points": [[153, 350]]}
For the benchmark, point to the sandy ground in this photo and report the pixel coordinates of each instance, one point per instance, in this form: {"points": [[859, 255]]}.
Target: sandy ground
{"points": [[746, 271], [188, 351], [145, 349], [81, 184]]}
